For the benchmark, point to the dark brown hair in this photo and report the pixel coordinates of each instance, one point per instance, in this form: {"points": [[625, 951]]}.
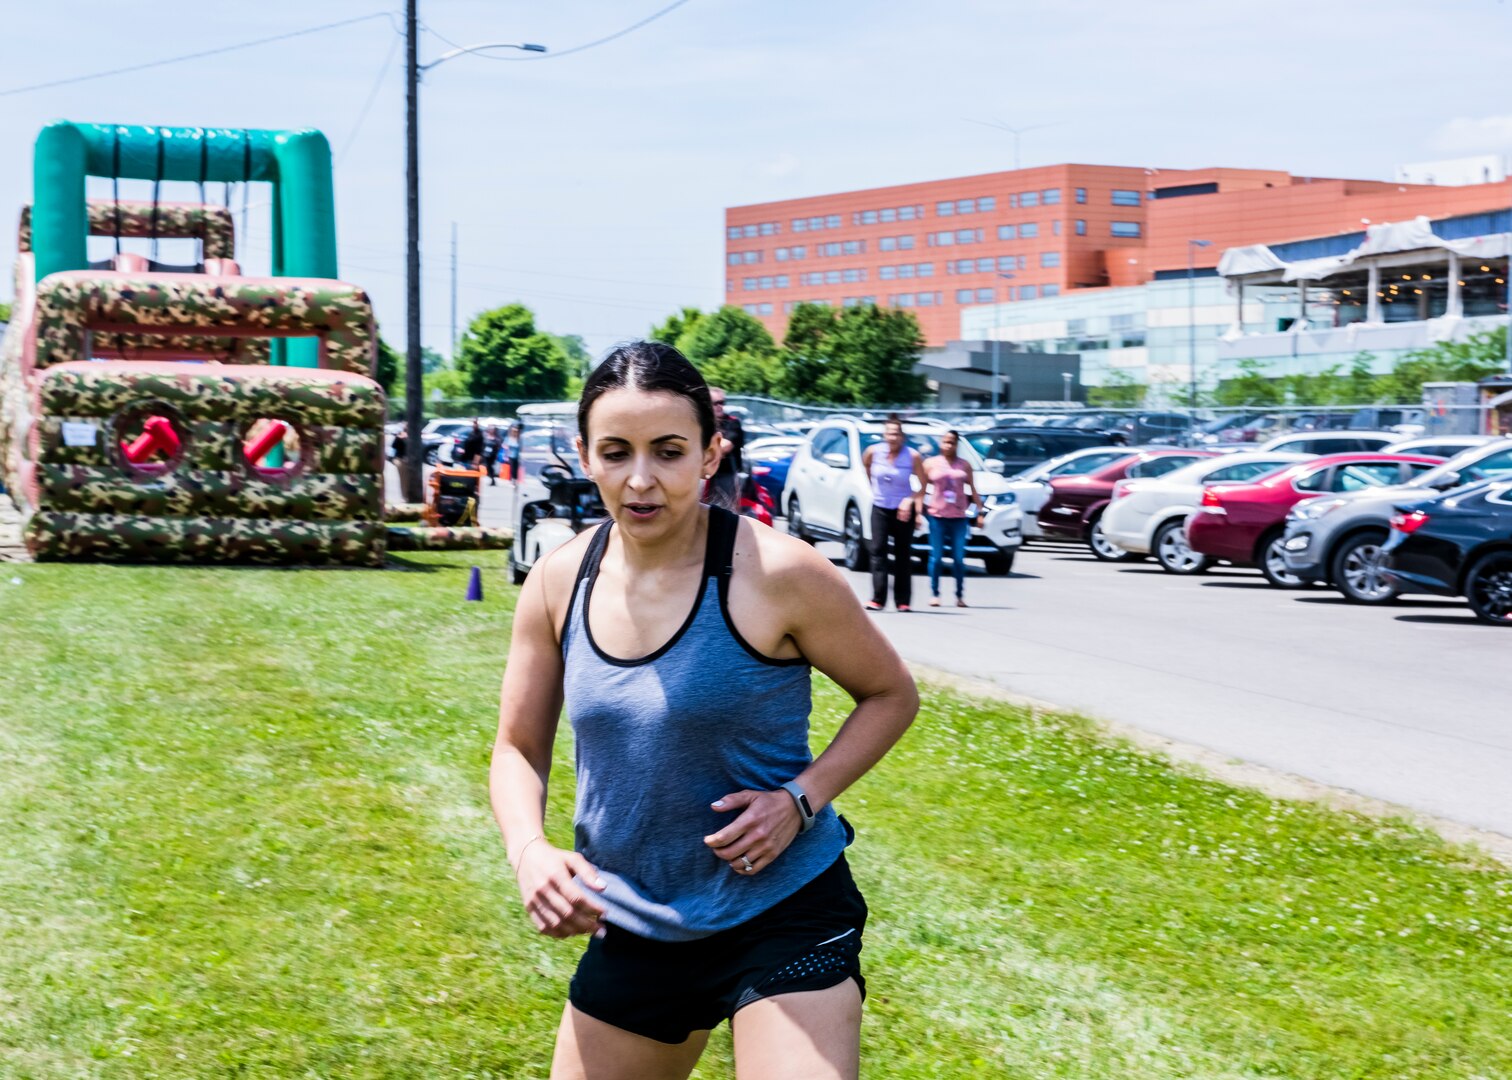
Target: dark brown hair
{"points": [[648, 365]]}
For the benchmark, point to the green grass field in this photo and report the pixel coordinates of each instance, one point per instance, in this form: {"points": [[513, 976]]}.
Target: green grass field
{"points": [[247, 835]]}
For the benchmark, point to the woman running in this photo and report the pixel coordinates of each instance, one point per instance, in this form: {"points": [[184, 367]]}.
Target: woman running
{"points": [[893, 465], [951, 507], [707, 861]]}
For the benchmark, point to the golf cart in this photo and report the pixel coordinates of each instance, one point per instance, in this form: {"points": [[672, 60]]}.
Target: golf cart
{"points": [[554, 501]]}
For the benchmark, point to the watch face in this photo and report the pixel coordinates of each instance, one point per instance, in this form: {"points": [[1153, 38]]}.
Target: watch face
{"points": [[807, 810]]}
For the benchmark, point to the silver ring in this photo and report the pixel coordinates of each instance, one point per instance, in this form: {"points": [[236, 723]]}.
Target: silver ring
{"points": [[746, 863]]}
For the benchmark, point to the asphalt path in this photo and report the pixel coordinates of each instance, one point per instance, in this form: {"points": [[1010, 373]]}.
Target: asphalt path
{"points": [[1407, 703]]}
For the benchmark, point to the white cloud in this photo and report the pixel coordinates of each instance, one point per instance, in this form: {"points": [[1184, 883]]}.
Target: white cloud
{"points": [[1474, 135]]}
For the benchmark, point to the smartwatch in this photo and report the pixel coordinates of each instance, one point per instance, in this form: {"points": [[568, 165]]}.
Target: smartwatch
{"points": [[805, 811]]}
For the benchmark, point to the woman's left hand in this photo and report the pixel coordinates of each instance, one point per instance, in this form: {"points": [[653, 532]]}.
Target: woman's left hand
{"points": [[760, 834]]}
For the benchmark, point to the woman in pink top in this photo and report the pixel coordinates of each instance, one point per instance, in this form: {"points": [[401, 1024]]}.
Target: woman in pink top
{"points": [[951, 506]]}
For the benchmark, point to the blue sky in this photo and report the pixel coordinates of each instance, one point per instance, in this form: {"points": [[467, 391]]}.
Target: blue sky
{"points": [[591, 187]]}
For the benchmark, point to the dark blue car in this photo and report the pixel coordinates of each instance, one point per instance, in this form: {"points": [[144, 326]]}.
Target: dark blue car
{"points": [[767, 461]]}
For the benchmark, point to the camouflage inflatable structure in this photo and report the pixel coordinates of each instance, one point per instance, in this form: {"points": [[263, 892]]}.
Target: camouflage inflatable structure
{"points": [[189, 414]]}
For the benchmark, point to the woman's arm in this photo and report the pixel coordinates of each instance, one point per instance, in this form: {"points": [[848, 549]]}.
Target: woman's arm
{"points": [[974, 503], [923, 479], [529, 704], [827, 622]]}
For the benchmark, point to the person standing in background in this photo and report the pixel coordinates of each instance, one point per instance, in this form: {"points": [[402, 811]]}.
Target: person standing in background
{"points": [[470, 453], [951, 506], [724, 486], [492, 444], [893, 465], [512, 449]]}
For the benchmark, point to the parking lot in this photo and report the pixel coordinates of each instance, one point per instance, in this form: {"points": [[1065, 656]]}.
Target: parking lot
{"points": [[1405, 703]]}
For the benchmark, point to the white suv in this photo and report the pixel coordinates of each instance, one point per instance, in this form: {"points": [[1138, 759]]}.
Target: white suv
{"points": [[828, 494]]}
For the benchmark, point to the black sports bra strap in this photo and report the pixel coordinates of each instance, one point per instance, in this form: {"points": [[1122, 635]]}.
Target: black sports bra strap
{"points": [[595, 553], [724, 527]]}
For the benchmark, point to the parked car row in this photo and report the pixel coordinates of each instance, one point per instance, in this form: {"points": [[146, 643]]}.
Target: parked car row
{"points": [[1375, 525]]}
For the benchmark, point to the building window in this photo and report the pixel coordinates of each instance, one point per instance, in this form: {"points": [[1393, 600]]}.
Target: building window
{"points": [[850, 277], [926, 299], [1029, 230], [943, 239], [1051, 196], [764, 309], [1013, 202], [766, 283], [1028, 199], [1028, 292], [800, 224], [733, 258], [944, 209], [984, 296], [901, 299], [1007, 262], [984, 266], [749, 231], [1055, 227], [1049, 259], [1124, 228], [799, 252], [887, 243], [906, 213], [781, 281], [855, 247], [1081, 227], [965, 206], [831, 248], [780, 254], [966, 236], [987, 203], [1125, 197], [749, 309], [1081, 194], [768, 228], [964, 296], [832, 221], [886, 215], [926, 269], [815, 224], [868, 217], [906, 270], [832, 277], [905, 243], [887, 273], [1007, 232], [733, 232], [748, 283]]}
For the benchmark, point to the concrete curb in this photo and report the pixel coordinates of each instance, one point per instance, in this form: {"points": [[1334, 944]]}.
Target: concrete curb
{"points": [[1271, 782]]}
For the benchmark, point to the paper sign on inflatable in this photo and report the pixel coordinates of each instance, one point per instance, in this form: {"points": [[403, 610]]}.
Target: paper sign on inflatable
{"points": [[189, 414]]}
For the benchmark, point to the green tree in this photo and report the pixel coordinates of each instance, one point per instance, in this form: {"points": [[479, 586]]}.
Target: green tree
{"points": [[5, 312], [389, 369], [743, 372], [1118, 391], [1252, 386], [448, 384], [806, 352], [671, 329], [728, 330], [1477, 357], [503, 355], [1317, 388], [576, 350], [871, 357]]}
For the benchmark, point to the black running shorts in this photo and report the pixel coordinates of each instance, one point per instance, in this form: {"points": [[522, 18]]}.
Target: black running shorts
{"points": [[666, 990]]}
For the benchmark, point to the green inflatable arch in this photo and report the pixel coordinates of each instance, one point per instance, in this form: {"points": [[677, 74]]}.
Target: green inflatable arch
{"points": [[297, 163]]}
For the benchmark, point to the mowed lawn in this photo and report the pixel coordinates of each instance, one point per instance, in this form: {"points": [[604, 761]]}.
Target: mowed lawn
{"points": [[246, 834]]}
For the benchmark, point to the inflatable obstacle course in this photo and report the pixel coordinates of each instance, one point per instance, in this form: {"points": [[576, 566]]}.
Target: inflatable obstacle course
{"points": [[162, 413]]}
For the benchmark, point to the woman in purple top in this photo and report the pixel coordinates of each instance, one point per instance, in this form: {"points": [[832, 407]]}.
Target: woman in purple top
{"points": [[893, 465], [951, 506]]}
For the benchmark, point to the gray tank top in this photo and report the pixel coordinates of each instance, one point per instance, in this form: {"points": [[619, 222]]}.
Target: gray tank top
{"points": [[661, 737]]}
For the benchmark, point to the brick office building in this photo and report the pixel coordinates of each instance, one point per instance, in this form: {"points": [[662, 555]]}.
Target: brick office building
{"points": [[946, 247]]}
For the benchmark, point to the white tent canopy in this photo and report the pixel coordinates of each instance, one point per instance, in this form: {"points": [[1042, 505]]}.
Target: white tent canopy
{"points": [[1388, 238]]}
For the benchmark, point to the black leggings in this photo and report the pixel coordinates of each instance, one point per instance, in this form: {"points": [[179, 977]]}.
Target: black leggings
{"points": [[887, 524]]}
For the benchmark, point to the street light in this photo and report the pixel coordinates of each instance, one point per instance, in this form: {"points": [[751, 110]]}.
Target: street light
{"points": [[411, 477], [997, 345], [1192, 246]]}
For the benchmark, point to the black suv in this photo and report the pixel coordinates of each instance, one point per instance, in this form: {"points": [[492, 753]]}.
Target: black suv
{"points": [[1020, 448], [1457, 544]]}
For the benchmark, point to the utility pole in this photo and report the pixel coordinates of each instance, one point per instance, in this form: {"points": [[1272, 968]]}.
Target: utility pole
{"points": [[454, 297], [411, 478]]}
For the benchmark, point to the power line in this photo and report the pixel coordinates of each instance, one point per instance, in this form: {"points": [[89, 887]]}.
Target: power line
{"points": [[368, 104], [559, 53], [192, 56]]}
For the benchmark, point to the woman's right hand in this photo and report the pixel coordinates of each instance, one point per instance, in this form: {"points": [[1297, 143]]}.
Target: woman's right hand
{"points": [[553, 900]]}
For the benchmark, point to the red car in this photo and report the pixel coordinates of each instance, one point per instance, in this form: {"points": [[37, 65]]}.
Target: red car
{"points": [[1074, 509], [1243, 523]]}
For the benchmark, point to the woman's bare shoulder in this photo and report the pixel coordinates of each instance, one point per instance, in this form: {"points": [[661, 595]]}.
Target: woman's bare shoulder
{"points": [[781, 564]]}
